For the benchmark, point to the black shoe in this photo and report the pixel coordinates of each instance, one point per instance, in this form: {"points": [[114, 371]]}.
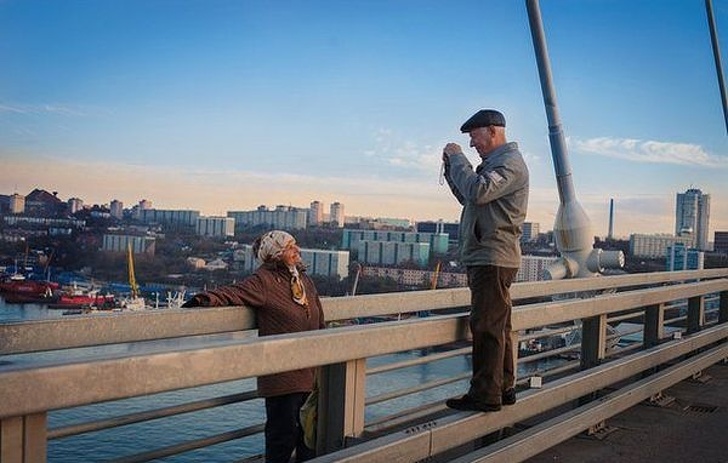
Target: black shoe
{"points": [[509, 397], [467, 403]]}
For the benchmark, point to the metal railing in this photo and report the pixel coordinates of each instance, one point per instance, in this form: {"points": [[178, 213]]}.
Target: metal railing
{"points": [[212, 346]]}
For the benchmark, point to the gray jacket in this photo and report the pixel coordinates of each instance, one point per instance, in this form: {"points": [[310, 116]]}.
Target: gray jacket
{"points": [[494, 199]]}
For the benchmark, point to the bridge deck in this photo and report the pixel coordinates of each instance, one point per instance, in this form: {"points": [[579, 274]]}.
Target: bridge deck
{"points": [[691, 428]]}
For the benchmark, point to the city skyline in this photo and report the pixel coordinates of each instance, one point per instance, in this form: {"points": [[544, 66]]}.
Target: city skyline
{"points": [[530, 229], [225, 105]]}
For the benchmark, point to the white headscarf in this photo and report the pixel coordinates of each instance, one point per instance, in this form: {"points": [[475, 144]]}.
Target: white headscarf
{"points": [[270, 247], [272, 244]]}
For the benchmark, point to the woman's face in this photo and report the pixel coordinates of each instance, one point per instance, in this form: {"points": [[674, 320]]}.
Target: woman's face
{"points": [[291, 256]]}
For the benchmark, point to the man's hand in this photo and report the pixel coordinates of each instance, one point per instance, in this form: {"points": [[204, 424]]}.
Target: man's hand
{"points": [[450, 149]]}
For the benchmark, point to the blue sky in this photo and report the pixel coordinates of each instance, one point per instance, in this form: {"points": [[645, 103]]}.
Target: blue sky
{"points": [[226, 105]]}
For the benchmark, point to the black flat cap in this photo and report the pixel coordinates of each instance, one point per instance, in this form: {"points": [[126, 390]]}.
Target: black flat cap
{"points": [[484, 118]]}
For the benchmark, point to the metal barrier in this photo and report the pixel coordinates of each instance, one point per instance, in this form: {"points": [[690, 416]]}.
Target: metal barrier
{"points": [[222, 350]]}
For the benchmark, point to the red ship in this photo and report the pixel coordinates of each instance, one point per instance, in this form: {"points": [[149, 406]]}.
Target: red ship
{"points": [[18, 289], [85, 298], [90, 299]]}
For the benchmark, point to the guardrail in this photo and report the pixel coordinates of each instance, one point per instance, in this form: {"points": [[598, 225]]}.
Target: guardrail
{"points": [[221, 348]]}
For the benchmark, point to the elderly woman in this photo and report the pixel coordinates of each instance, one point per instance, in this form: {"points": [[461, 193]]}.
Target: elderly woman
{"points": [[286, 301]]}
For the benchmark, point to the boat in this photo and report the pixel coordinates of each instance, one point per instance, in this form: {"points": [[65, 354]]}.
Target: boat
{"points": [[78, 297], [17, 289], [133, 303]]}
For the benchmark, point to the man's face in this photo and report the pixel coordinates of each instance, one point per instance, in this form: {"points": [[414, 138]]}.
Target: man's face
{"points": [[291, 255], [482, 140]]}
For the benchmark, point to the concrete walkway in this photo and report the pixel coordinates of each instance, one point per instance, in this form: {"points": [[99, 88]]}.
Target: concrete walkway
{"points": [[691, 426]]}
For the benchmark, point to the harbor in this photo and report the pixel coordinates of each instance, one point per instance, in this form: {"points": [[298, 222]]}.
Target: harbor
{"points": [[74, 293]]}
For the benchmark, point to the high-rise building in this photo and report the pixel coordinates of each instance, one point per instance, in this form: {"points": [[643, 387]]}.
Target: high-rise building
{"points": [[337, 214], [720, 242], [170, 217], [692, 217], [283, 218], [216, 226], [451, 228], [117, 209], [530, 231], [75, 205], [654, 245], [138, 210], [317, 261], [392, 252], [138, 244], [316, 213], [378, 223], [532, 267], [17, 204], [438, 242], [679, 257]]}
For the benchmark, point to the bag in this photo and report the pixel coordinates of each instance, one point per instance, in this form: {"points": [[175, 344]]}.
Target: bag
{"points": [[308, 415]]}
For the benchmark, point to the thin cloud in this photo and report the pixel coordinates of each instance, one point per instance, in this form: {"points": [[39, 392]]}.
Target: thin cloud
{"points": [[531, 157], [404, 154], [14, 109], [63, 110], [647, 151]]}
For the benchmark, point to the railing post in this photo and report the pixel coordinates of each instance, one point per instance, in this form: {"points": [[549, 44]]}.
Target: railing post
{"points": [[514, 353], [341, 404], [696, 313], [654, 325], [593, 340], [23, 439]]}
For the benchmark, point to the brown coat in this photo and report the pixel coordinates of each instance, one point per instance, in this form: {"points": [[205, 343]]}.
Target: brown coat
{"points": [[268, 291]]}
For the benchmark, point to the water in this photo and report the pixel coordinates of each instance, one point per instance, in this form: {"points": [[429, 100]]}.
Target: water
{"points": [[21, 312], [130, 439]]}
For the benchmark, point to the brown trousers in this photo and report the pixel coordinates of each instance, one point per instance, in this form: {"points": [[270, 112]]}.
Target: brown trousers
{"points": [[490, 324]]}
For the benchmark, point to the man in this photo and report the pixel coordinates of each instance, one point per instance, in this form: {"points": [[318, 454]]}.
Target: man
{"points": [[494, 199]]}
